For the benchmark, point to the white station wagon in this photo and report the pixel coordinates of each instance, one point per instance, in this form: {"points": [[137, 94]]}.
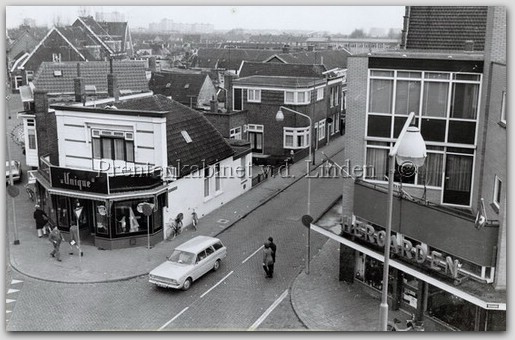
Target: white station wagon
{"points": [[188, 262]]}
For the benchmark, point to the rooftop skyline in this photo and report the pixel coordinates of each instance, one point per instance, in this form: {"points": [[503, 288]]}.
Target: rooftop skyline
{"points": [[334, 19]]}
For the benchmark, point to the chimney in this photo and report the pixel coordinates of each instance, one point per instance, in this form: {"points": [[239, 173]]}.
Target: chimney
{"points": [[112, 83], [330, 47], [213, 105], [152, 64], [80, 89], [311, 48], [46, 128], [228, 93], [286, 49], [469, 45]]}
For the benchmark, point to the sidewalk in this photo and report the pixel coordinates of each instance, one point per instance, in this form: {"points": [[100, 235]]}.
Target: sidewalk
{"points": [[319, 299]]}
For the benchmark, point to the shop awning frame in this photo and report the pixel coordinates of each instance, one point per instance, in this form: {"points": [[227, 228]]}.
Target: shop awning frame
{"points": [[101, 197], [490, 305]]}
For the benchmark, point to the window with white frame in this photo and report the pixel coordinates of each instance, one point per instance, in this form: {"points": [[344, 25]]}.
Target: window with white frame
{"points": [[321, 129], [18, 81], [297, 97], [31, 134], [207, 191], [56, 57], [218, 181], [497, 192], [320, 93], [503, 107], [254, 96], [235, 133], [114, 145], [296, 138]]}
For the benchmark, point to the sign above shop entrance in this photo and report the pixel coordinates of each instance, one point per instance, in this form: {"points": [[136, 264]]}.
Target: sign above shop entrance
{"points": [[79, 180]]}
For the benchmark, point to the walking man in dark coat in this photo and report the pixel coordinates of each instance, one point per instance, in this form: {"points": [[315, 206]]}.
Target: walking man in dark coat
{"points": [[272, 246]]}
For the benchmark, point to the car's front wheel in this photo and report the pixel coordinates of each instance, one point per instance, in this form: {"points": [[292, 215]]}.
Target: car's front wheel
{"points": [[187, 284], [217, 265]]}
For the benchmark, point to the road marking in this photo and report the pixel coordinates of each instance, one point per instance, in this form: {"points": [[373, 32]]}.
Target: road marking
{"points": [[172, 319], [10, 291], [268, 311], [8, 311], [210, 289], [15, 281], [254, 253], [9, 301]]}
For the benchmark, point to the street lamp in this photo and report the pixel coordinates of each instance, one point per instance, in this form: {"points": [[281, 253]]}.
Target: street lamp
{"points": [[410, 149], [280, 117]]}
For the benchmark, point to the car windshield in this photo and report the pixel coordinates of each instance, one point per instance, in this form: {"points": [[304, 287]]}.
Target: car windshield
{"points": [[179, 256]]}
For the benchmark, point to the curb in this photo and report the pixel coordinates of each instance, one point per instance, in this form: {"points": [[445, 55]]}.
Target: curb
{"points": [[125, 278]]}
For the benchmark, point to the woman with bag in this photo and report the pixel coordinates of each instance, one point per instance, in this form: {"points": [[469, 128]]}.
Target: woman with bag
{"points": [[41, 220]]}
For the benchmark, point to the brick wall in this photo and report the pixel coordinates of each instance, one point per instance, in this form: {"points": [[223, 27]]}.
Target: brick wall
{"points": [[46, 125]]}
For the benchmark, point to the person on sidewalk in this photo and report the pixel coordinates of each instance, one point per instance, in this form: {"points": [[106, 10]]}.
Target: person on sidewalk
{"points": [[56, 238], [268, 261], [41, 220], [175, 227], [74, 240], [273, 246]]}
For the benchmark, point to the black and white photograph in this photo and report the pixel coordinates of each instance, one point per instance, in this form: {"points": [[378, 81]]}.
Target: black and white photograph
{"points": [[255, 167]]}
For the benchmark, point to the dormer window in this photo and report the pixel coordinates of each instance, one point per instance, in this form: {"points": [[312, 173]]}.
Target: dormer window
{"points": [[56, 57], [58, 73]]}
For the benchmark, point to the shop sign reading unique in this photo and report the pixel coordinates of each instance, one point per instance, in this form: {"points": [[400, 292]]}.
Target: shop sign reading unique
{"points": [[79, 180], [400, 245]]}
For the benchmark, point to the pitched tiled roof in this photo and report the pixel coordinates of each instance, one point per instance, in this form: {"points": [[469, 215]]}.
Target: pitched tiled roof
{"points": [[331, 59], [93, 25], [446, 27], [180, 86], [280, 69], [130, 75], [207, 145], [229, 58]]}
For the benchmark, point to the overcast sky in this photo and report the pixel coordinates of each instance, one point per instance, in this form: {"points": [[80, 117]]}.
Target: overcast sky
{"points": [[335, 19]]}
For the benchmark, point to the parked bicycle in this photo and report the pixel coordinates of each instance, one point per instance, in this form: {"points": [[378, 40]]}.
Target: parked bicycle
{"points": [[30, 191], [411, 325]]}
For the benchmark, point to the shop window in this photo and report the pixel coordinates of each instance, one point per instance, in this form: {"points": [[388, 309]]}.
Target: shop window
{"points": [[102, 227], [451, 309], [127, 220], [62, 210]]}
